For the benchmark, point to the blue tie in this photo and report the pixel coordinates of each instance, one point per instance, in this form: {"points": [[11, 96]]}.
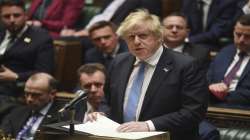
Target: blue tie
{"points": [[25, 131], [134, 95]]}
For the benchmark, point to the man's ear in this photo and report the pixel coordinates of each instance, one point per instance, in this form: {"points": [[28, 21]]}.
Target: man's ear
{"points": [[53, 93]]}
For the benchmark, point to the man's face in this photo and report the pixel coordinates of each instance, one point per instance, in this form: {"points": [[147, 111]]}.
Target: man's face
{"points": [[104, 39], [242, 37], [175, 31], [13, 18], [94, 84], [37, 94], [142, 43]]}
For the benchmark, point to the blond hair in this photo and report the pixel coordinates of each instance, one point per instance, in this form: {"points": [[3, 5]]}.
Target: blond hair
{"points": [[141, 17]]}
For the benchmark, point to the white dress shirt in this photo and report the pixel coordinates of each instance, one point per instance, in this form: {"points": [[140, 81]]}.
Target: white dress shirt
{"points": [[151, 63], [206, 7]]}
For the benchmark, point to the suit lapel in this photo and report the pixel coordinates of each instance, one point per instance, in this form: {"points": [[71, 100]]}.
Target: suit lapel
{"points": [[19, 42], [245, 72], [162, 69], [126, 70]]}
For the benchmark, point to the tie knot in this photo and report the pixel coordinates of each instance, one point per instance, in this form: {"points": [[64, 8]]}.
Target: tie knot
{"points": [[242, 54]]}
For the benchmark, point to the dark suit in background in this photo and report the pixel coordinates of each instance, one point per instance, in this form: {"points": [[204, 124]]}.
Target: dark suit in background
{"points": [[14, 122], [219, 21], [200, 53], [170, 104], [30, 53], [240, 98]]}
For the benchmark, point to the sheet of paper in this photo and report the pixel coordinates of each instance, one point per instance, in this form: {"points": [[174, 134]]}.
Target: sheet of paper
{"points": [[106, 127]]}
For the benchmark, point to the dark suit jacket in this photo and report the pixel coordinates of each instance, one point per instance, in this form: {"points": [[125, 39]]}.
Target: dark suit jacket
{"points": [[14, 122], [93, 55], [200, 53], [219, 22], [241, 96], [60, 14], [154, 7], [32, 52], [175, 100]]}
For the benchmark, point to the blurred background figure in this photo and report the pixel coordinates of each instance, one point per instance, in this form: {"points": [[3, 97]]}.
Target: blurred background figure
{"points": [[116, 11], [176, 30], [91, 78], [228, 74], [24, 50], [210, 21], [23, 121], [54, 15], [106, 42]]}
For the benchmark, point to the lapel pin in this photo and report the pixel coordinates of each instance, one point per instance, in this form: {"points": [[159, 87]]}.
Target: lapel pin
{"points": [[165, 69], [27, 40]]}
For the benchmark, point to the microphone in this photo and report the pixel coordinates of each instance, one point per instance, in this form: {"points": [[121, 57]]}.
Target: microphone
{"points": [[81, 94]]}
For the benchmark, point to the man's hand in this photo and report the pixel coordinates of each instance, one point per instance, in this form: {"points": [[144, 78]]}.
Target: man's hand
{"points": [[36, 23], [67, 32], [7, 74], [220, 90], [133, 127], [93, 116]]}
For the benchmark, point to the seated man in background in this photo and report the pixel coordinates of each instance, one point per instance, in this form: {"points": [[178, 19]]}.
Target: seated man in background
{"points": [[106, 42], [229, 73], [91, 78], [24, 50], [116, 11], [22, 122], [54, 15], [175, 32], [210, 21]]}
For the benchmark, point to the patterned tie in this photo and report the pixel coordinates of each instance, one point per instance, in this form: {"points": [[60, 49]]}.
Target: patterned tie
{"points": [[134, 95], [232, 73], [25, 131]]}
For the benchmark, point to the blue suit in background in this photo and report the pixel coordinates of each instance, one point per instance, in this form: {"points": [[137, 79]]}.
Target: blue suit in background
{"points": [[240, 98]]}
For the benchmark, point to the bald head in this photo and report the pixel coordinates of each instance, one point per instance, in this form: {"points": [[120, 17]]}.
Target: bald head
{"points": [[40, 89]]}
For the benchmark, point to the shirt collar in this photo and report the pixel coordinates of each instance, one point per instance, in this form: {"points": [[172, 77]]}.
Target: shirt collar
{"points": [[113, 54], [177, 49], [8, 34], [45, 109], [208, 2], [238, 51], [152, 60]]}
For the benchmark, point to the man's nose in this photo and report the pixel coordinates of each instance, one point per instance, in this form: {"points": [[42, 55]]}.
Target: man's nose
{"points": [[174, 29], [12, 18], [29, 98], [93, 88], [136, 39]]}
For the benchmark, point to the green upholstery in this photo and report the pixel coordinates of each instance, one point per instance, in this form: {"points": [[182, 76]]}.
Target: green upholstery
{"points": [[234, 133]]}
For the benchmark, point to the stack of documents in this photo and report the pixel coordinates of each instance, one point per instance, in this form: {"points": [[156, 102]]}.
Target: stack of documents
{"points": [[105, 127]]}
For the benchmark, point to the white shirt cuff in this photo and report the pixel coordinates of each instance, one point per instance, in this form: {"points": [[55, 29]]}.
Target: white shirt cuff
{"points": [[246, 9], [151, 126]]}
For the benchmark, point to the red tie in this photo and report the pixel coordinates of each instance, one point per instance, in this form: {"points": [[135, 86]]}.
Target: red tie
{"points": [[232, 73]]}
